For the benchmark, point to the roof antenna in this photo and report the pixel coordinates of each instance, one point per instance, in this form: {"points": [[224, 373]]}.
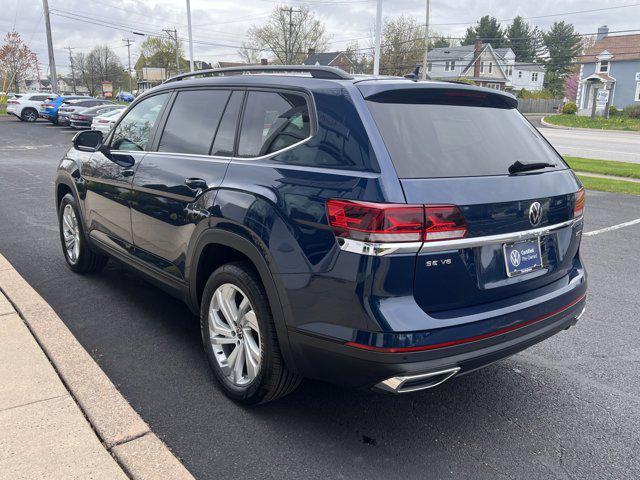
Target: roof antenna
{"points": [[415, 75]]}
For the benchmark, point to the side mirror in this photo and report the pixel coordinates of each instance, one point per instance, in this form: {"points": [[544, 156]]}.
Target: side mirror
{"points": [[87, 140]]}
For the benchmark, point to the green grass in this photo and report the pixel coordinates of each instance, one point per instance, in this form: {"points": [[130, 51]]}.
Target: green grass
{"points": [[616, 122], [606, 185], [604, 167], [3, 108]]}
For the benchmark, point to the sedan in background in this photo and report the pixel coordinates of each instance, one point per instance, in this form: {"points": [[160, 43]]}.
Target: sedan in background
{"points": [[125, 97], [84, 118], [51, 106], [105, 122], [69, 107]]}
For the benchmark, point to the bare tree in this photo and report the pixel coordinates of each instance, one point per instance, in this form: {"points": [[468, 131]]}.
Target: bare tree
{"points": [[287, 36], [101, 64], [402, 45], [250, 53], [16, 59]]}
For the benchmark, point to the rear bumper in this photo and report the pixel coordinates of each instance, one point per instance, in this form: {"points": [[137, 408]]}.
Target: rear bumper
{"points": [[400, 370]]}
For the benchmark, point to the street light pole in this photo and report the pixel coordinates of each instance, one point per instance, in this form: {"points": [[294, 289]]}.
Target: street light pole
{"points": [[426, 44], [376, 51], [128, 44], [73, 71], [52, 61], [190, 36]]}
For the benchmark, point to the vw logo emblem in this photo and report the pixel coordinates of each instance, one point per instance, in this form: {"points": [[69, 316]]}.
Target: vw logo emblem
{"points": [[514, 256], [535, 213]]}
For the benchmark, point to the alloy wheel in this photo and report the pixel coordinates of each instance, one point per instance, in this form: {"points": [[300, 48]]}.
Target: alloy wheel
{"points": [[71, 233], [234, 334], [30, 116]]}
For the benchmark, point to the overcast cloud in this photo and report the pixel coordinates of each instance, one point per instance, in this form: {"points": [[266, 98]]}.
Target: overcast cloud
{"points": [[224, 23]]}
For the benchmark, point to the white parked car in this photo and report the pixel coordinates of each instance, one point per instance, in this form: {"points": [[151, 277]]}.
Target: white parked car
{"points": [[27, 107], [106, 121]]}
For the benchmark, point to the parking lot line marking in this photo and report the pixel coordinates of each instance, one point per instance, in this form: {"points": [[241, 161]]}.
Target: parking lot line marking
{"points": [[614, 227]]}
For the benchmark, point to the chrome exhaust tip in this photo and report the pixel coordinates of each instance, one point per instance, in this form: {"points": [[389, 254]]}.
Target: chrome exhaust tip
{"points": [[414, 383], [581, 313]]}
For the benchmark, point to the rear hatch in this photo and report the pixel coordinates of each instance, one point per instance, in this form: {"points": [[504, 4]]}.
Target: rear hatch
{"points": [[455, 146]]}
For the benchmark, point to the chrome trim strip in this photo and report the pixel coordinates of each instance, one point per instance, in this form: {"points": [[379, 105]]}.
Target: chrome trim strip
{"points": [[460, 243], [581, 313], [376, 249], [394, 384]]}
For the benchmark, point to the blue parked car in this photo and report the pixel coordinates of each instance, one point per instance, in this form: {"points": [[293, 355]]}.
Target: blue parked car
{"points": [[125, 97], [50, 107], [375, 232]]}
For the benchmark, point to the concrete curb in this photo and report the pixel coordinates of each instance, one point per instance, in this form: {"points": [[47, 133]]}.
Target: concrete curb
{"points": [[598, 130], [139, 452]]}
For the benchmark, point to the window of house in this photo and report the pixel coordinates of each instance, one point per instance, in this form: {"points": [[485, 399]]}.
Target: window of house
{"points": [[429, 65], [520, 74], [534, 76], [637, 97], [133, 131], [449, 66], [509, 70], [193, 121], [603, 66], [490, 67], [273, 121], [481, 67]]}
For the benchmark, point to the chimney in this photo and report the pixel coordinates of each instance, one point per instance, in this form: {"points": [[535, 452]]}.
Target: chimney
{"points": [[264, 61], [603, 31], [477, 48], [311, 51]]}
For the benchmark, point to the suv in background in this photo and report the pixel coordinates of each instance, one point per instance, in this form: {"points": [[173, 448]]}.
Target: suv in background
{"points": [[50, 107], [27, 107], [69, 107], [376, 232]]}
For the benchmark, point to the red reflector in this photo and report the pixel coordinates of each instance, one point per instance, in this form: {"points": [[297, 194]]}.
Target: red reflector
{"points": [[376, 222], [578, 208], [443, 222]]}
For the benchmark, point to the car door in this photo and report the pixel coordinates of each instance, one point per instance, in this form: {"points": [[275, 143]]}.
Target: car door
{"points": [[175, 184], [108, 173]]}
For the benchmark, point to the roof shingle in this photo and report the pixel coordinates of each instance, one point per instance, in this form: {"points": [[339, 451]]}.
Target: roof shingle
{"points": [[622, 47]]}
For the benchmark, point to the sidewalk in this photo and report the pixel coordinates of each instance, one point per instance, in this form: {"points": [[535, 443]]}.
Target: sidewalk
{"points": [[60, 415], [43, 433]]}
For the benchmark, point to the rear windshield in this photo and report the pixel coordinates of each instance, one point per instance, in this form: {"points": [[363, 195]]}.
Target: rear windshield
{"points": [[428, 140]]}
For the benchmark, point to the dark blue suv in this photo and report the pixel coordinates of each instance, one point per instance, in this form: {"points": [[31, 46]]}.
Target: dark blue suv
{"points": [[375, 232]]}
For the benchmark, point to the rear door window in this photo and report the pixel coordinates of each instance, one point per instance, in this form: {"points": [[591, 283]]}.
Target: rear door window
{"points": [[226, 134], [460, 139], [273, 121], [193, 121]]}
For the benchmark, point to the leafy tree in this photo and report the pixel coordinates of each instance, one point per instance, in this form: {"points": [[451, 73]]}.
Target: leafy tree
{"points": [[400, 50], [488, 30], [287, 42], [16, 59], [363, 63], [563, 45], [525, 41], [160, 52], [439, 42]]}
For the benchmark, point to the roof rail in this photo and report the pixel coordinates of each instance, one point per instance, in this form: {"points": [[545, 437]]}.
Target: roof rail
{"points": [[315, 71]]}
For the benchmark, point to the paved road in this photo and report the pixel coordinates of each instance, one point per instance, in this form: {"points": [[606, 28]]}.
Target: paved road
{"points": [[604, 145], [567, 408]]}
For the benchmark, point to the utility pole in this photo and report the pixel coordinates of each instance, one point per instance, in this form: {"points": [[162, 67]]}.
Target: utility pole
{"points": [[174, 37], [190, 36], [289, 59], [52, 61], [426, 44], [376, 51], [128, 44], [73, 71]]}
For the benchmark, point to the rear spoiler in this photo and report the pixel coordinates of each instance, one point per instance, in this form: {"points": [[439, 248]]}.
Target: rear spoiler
{"points": [[437, 93]]}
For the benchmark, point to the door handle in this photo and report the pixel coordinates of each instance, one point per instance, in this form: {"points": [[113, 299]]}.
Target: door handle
{"points": [[128, 172], [195, 183]]}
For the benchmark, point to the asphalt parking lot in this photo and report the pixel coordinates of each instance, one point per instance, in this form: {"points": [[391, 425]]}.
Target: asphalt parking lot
{"points": [[568, 408]]}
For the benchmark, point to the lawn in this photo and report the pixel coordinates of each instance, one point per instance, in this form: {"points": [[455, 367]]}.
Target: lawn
{"points": [[3, 108], [606, 185], [615, 122], [604, 167]]}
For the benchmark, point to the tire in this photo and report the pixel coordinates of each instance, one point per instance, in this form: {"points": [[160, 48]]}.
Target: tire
{"points": [[237, 281], [80, 258], [29, 115], [54, 121]]}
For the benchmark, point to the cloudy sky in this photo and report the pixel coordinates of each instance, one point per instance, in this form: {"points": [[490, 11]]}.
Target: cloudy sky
{"points": [[219, 27]]}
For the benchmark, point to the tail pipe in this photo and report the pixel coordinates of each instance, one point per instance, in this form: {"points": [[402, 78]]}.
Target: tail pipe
{"points": [[414, 383]]}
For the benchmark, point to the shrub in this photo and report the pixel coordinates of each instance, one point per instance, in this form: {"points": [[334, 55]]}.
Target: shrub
{"points": [[632, 111], [543, 94], [613, 111], [570, 108]]}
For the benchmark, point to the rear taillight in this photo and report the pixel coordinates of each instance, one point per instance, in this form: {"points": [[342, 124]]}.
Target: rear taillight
{"points": [[47, 105], [578, 206], [12, 102], [388, 222], [103, 121]]}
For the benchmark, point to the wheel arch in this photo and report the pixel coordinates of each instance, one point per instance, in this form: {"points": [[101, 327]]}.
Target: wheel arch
{"points": [[217, 247]]}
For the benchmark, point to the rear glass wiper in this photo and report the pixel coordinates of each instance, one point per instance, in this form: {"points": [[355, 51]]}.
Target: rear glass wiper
{"points": [[518, 166]]}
